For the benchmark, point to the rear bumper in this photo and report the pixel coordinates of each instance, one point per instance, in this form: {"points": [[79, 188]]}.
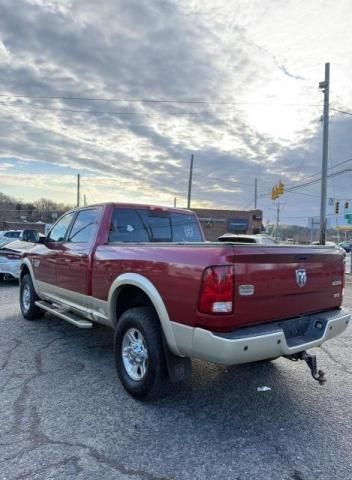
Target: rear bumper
{"points": [[261, 342], [11, 267]]}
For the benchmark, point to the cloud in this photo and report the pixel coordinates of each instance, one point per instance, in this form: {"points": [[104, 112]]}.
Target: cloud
{"points": [[286, 72], [255, 69]]}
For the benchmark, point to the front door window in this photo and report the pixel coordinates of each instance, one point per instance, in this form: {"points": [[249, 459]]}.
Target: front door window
{"points": [[59, 230]]}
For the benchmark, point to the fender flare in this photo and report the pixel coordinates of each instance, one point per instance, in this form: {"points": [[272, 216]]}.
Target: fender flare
{"points": [[150, 290], [26, 262]]}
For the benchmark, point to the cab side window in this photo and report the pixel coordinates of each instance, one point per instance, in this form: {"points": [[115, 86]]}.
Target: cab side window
{"points": [[127, 226], [58, 232], [85, 226]]}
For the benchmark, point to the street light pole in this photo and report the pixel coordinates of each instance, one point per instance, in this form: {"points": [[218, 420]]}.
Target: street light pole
{"points": [[190, 183], [325, 86], [255, 192], [78, 189], [277, 221]]}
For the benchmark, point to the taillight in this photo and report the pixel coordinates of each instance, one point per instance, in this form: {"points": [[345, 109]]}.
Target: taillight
{"points": [[13, 256], [216, 293]]}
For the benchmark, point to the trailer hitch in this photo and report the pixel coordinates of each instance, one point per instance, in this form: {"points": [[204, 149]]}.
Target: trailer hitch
{"points": [[311, 361]]}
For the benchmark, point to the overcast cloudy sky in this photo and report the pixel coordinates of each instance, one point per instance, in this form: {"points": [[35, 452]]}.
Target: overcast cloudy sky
{"points": [[238, 82]]}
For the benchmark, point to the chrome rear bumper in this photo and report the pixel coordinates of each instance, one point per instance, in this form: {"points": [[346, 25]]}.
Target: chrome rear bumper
{"points": [[261, 342]]}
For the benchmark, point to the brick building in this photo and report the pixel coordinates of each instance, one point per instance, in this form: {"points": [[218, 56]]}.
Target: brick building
{"points": [[217, 222]]}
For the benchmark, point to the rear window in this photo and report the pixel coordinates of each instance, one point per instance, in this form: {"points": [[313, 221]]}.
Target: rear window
{"points": [[12, 234], [142, 225]]}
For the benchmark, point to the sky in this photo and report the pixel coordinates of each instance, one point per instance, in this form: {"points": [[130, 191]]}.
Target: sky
{"points": [[124, 91]]}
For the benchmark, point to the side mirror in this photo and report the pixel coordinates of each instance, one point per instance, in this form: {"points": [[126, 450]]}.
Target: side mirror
{"points": [[30, 236]]}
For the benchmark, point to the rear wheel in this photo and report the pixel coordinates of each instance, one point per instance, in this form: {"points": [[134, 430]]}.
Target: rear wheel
{"points": [[28, 297], [139, 354]]}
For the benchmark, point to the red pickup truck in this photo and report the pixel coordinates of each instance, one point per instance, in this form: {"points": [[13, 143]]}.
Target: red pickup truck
{"points": [[170, 296]]}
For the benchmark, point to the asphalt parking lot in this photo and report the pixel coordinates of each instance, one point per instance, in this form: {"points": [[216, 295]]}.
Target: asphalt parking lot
{"points": [[64, 414]]}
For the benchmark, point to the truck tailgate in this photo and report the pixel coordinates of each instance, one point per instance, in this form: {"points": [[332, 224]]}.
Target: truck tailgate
{"points": [[273, 283]]}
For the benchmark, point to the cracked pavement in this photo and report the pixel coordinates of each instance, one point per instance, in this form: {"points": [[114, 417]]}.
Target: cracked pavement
{"points": [[64, 414]]}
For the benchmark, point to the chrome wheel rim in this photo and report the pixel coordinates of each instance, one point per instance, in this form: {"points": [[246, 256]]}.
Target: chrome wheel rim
{"points": [[26, 298], [134, 354]]}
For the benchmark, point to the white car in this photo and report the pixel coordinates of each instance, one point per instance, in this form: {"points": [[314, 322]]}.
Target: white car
{"points": [[10, 234], [236, 238], [10, 263], [7, 236], [11, 254], [331, 244]]}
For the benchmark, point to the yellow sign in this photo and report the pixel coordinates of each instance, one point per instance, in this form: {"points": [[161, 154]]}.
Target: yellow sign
{"points": [[277, 190]]}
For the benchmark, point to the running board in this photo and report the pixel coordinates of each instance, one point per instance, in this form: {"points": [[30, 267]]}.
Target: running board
{"points": [[65, 314]]}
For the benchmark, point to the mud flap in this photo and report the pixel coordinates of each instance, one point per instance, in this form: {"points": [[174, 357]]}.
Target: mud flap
{"points": [[179, 368]]}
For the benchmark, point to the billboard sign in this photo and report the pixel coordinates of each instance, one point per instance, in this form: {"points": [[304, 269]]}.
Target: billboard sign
{"points": [[237, 225]]}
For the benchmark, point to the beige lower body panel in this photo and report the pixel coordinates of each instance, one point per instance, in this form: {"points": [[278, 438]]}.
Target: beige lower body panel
{"points": [[89, 307], [212, 347]]}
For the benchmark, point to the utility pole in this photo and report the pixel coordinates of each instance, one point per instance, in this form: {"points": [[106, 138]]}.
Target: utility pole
{"points": [[325, 86], [85, 200], [190, 183], [78, 188], [255, 192], [311, 230], [277, 220], [175, 202]]}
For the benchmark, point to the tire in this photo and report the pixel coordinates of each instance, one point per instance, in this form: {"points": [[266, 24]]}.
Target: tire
{"points": [[139, 353], [28, 297]]}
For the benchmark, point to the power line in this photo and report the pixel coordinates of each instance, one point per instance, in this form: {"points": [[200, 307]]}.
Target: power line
{"points": [[122, 113], [298, 182], [312, 182], [303, 193], [148, 100], [247, 204], [110, 112], [341, 111], [305, 216]]}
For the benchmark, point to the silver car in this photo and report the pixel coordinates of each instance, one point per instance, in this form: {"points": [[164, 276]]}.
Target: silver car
{"points": [[237, 238], [10, 262], [11, 254], [7, 236]]}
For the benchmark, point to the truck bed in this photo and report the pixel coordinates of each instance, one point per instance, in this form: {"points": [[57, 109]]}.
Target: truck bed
{"points": [[176, 270]]}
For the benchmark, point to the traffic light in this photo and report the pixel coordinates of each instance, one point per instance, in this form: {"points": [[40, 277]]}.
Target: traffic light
{"points": [[346, 205], [277, 190], [337, 207]]}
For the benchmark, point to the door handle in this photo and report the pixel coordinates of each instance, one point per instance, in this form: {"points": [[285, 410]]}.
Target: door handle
{"points": [[63, 261], [52, 257], [77, 257]]}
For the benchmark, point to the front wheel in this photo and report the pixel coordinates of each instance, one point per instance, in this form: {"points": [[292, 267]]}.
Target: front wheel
{"points": [[139, 354], [28, 297]]}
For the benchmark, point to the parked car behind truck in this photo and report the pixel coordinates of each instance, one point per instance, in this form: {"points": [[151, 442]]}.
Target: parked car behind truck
{"points": [[260, 238], [11, 252], [170, 296], [7, 236]]}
